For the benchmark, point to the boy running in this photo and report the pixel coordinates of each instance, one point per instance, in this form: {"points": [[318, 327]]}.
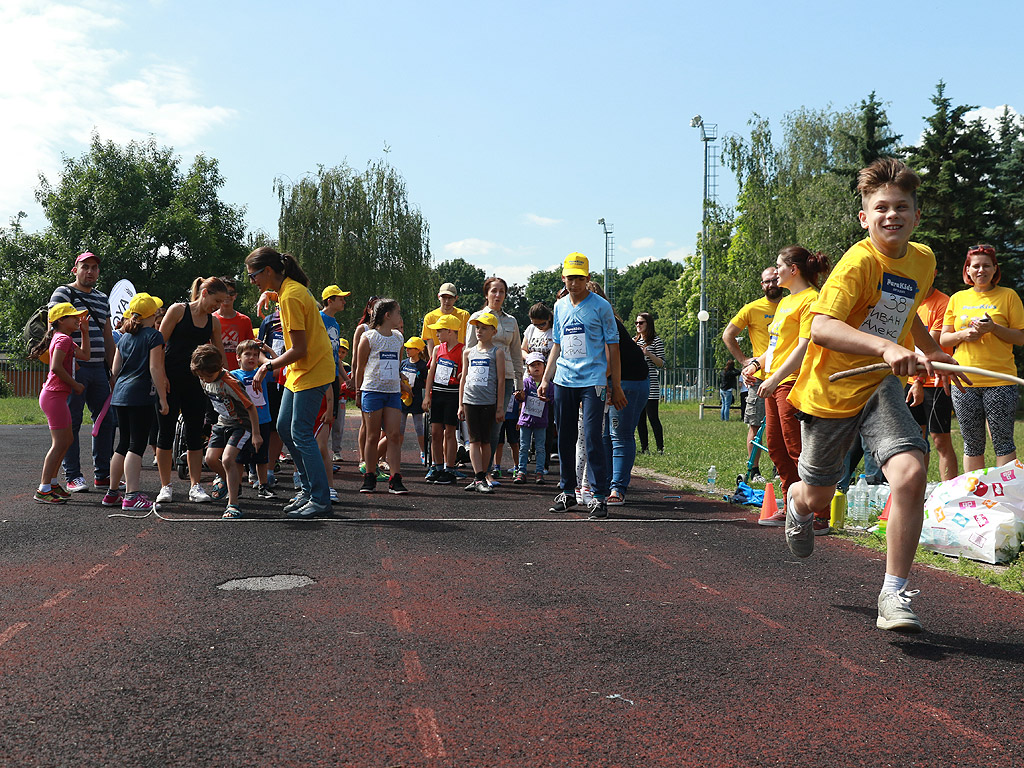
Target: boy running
{"points": [[867, 310]]}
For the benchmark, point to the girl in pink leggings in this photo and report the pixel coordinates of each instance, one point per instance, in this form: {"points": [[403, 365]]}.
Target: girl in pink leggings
{"points": [[53, 399]]}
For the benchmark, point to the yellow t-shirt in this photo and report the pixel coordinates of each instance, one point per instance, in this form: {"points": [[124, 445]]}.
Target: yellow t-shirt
{"points": [[757, 316], [875, 294], [1004, 306], [932, 311], [299, 312], [792, 322], [431, 317]]}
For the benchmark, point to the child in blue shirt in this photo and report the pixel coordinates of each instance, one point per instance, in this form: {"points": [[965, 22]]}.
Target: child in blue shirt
{"points": [[249, 359]]}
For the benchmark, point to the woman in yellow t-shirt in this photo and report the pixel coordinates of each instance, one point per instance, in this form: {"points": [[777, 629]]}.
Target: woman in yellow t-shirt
{"points": [[984, 323], [800, 272], [311, 370]]}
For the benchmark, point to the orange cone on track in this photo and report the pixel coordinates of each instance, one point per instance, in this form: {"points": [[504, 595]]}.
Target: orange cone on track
{"points": [[770, 514]]}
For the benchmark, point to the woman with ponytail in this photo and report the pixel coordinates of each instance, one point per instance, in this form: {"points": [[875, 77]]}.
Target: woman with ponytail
{"points": [[311, 369], [800, 272], [185, 327]]}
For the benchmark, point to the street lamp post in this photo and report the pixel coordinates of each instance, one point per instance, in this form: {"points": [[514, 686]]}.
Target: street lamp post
{"points": [[708, 133]]}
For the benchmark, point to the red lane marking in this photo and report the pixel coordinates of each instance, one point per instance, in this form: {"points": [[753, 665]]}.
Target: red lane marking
{"points": [[413, 669], [394, 588], [763, 619], [955, 725], [659, 563], [430, 736], [122, 550], [17, 496], [401, 620], [623, 543], [705, 587], [62, 595], [844, 663], [93, 572], [11, 631], [598, 528], [144, 534], [387, 564]]}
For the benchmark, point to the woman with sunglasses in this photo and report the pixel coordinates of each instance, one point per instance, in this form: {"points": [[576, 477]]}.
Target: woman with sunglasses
{"points": [[310, 361], [984, 322], [654, 351]]}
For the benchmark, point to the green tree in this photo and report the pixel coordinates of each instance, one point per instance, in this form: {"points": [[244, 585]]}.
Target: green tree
{"points": [[360, 231], [30, 268], [1008, 183], [544, 286], [148, 220], [628, 282], [468, 280]]}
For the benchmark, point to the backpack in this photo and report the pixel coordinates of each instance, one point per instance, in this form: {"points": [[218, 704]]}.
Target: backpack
{"points": [[34, 330]]}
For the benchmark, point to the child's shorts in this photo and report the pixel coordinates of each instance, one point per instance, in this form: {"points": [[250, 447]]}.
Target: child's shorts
{"points": [[249, 455], [480, 421], [374, 401], [444, 408], [55, 407], [225, 435]]}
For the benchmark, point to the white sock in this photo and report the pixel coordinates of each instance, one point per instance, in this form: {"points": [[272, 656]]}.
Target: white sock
{"points": [[800, 518], [893, 583], [44, 488]]}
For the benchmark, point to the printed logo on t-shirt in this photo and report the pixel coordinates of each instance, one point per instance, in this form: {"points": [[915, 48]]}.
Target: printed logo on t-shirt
{"points": [[889, 316]]}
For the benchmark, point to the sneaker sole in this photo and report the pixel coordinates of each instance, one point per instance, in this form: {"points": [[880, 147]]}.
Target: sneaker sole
{"points": [[50, 502], [908, 626], [772, 523], [397, 493]]}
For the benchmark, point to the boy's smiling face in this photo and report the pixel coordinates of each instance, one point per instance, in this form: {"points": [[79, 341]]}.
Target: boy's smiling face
{"points": [[890, 215]]}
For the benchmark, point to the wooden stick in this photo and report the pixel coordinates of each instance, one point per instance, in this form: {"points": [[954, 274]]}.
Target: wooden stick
{"points": [[937, 366]]}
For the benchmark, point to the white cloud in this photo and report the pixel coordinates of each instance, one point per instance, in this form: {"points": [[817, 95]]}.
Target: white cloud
{"points": [[990, 116], [62, 84], [679, 254], [642, 242], [541, 221], [472, 246]]}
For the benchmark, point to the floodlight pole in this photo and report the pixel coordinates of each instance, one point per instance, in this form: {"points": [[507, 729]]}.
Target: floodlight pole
{"points": [[708, 133], [607, 254]]}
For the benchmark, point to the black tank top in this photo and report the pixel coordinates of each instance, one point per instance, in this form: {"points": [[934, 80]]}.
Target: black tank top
{"points": [[183, 342]]}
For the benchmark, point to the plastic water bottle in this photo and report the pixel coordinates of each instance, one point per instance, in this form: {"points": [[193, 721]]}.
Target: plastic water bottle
{"points": [[857, 510], [712, 475]]}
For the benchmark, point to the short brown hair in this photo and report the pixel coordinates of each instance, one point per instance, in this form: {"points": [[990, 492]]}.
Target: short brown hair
{"points": [[884, 172], [206, 359], [246, 346]]}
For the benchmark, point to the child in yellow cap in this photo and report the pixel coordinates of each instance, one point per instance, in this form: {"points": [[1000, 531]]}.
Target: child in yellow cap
{"points": [[414, 370]]}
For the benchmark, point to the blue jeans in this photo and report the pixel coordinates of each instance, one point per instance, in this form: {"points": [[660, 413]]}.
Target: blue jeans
{"points": [[526, 436], [727, 398], [620, 433], [97, 388], [567, 414], [296, 422]]}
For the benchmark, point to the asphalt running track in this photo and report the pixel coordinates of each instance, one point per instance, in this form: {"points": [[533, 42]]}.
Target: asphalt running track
{"points": [[452, 629]]}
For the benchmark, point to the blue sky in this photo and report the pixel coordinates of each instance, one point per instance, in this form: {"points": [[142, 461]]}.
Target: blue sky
{"points": [[516, 126]]}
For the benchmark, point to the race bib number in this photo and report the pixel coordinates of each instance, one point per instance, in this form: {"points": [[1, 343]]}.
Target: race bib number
{"points": [[256, 395], [889, 316], [444, 372], [388, 364], [410, 377], [574, 342], [533, 406], [510, 405], [476, 376], [220, 407], [277, 344]]}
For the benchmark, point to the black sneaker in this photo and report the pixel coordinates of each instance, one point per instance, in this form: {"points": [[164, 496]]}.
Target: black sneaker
{"points": [[432, 475], [563, 502], [462, 456], [597, 509], [263, 492], [395, 484], [369, 483], [444, 477]]}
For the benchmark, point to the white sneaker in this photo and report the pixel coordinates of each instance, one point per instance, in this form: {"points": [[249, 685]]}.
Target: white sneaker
{"points": [[334, 496], [198, 495], [165, 495]]}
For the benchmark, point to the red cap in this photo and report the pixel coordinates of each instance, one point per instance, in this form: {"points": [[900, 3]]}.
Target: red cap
{"points": [[83, 256]]}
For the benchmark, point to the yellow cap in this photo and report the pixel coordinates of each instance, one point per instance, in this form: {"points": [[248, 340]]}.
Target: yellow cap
{"points": [[451, 322], [344, 343], [144, 305], [64, 309], [333, 290], [415, 342], [485, 318], [576, 264]]}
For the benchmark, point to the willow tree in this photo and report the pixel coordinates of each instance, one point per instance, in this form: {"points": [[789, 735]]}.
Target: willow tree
{"points": [[359, 231]]}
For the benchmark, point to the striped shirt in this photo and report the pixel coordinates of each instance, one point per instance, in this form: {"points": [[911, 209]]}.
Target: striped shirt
{"points": [[658, 348], [96, 302]]}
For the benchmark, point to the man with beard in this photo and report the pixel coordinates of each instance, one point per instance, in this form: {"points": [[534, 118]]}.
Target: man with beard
{"points": [[757, 316]]}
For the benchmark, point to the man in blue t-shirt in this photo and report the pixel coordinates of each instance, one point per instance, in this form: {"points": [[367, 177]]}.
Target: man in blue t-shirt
{"points": [[580, 374]]}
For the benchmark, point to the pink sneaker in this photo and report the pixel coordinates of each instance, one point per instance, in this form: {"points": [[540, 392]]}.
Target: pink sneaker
{"points": [[111, 498], [138, 503]]}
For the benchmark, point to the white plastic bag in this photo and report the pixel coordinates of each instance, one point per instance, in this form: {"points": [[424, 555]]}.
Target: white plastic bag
{"points": [[978, 515]]}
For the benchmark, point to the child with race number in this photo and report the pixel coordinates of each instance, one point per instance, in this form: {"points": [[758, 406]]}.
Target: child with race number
{"points": [[442, 398], [533, 419], [414, 370], [867, 309], [250, 358], [380, 384], [139, 382], [60, 382], [481, 389]]}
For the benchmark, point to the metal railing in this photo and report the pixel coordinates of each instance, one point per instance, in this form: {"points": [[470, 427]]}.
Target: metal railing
{"points": [[679, 385]]}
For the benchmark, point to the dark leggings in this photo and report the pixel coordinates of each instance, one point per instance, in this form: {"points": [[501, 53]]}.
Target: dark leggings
{"points": [[650, 411], [187, 397], [134, 422]]}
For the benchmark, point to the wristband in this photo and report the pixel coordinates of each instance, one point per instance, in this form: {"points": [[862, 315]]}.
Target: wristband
{"points": [[756, 363]]}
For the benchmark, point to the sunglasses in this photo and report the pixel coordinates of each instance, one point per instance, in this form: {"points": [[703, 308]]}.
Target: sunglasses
{"points": [[988, 250], [641, 322], [252, 275]]}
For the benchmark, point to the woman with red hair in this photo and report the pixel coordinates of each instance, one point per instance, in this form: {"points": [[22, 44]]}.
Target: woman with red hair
{"points": [[984, 322]]}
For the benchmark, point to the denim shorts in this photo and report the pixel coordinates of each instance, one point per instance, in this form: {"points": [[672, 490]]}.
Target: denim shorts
{"points": [[374, 401]]}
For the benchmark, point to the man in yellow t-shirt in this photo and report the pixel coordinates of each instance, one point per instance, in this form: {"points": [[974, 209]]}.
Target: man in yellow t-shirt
{"points": [[867, 313], [755, 316], [447, 295]]}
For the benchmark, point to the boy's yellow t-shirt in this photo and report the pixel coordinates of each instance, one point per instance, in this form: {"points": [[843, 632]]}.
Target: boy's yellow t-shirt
{"points": [[757, 316], [792, 322], [875, 294], [990, 352], [299, 312]]}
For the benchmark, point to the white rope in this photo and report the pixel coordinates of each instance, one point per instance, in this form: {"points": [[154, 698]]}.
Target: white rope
{"points": [[379, 520]]}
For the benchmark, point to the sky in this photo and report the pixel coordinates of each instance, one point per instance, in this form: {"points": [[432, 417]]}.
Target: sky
{"points": [[516, 126]]}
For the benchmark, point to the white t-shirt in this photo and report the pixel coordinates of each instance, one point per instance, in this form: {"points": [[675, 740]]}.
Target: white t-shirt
{"points": [[538, 340]]}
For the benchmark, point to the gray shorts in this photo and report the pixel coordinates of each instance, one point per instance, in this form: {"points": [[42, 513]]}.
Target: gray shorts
{"points": [[753, 413], [886, 424]]}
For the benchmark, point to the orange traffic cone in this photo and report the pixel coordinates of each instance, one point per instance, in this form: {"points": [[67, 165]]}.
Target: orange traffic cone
{"points": [[770, 508]]}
